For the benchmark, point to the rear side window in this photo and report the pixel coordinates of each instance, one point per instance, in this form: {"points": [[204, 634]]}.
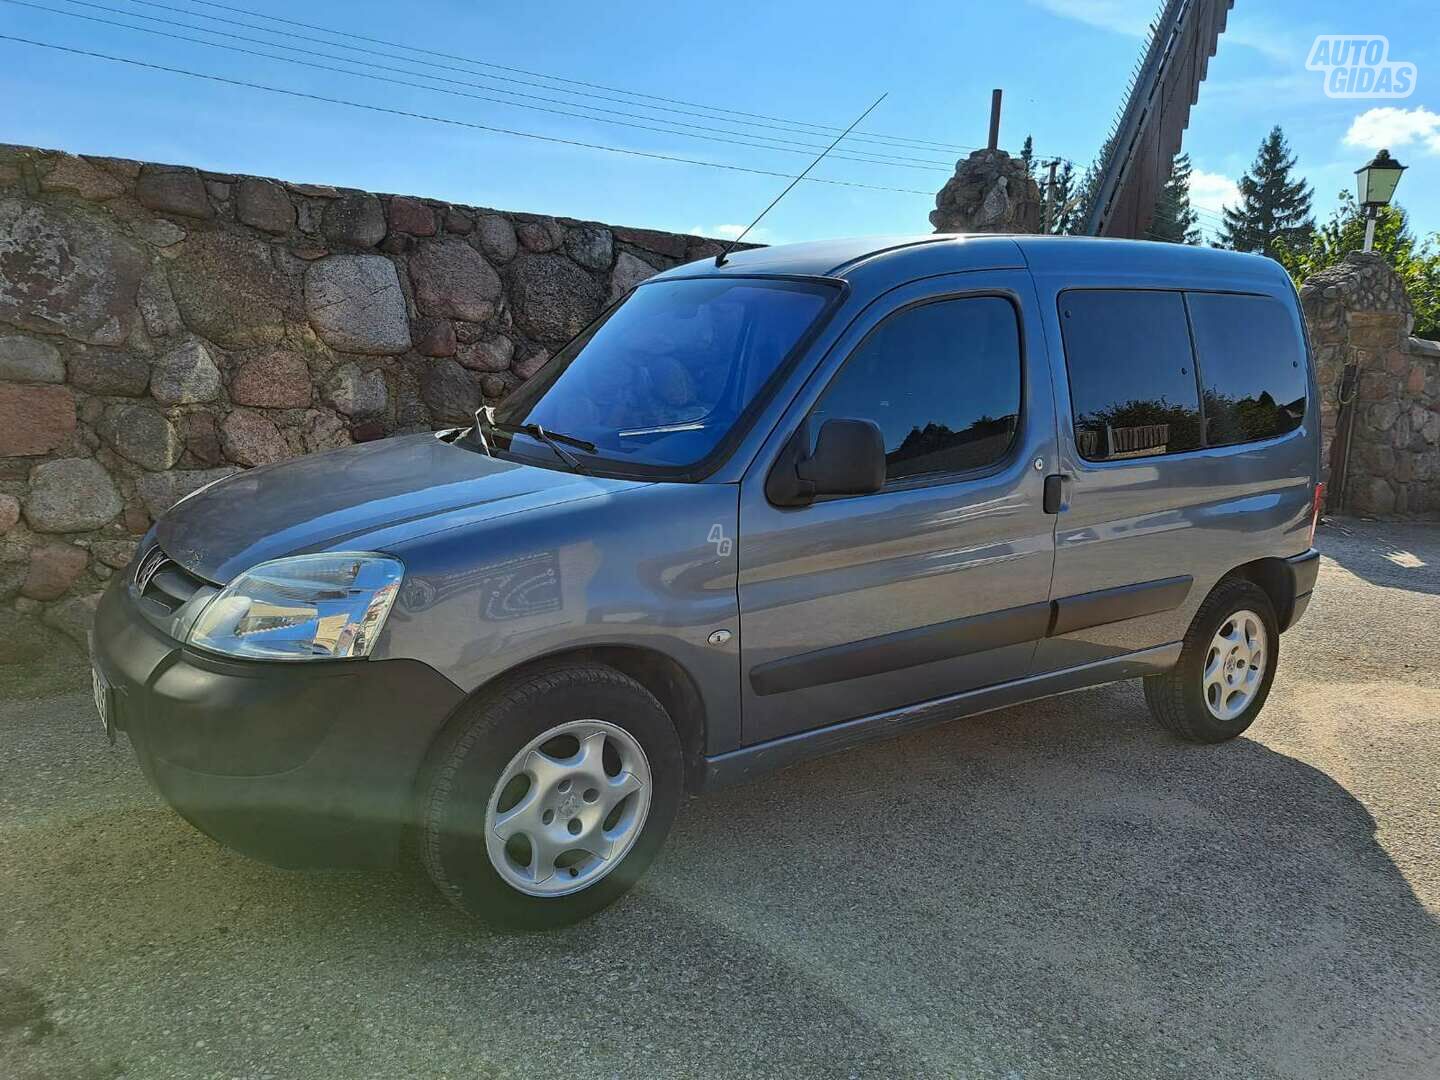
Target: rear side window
{"points": [[1251, 369], [942, 380], [1132, 379]]}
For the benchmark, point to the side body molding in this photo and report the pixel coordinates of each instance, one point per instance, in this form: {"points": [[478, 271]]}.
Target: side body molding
{"points": [[1116, 605], [961, 637]]}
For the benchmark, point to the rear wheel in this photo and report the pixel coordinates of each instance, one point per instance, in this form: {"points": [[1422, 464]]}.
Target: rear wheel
{"points": [[551, 797], [1226, 666]]}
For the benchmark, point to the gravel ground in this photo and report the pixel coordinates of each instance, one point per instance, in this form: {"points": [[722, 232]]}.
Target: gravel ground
{"points": [[1056, 890]]}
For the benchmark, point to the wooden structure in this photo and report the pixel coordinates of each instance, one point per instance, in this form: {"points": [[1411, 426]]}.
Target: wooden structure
{"points": [[1141, 149]]}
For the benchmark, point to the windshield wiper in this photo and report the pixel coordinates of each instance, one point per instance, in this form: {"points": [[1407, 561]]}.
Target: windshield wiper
{"points": [[535, 431], [545, 436], [552, 439]]}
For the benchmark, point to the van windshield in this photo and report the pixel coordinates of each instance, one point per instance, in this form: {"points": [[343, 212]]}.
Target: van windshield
{"points": [[660, 382]]}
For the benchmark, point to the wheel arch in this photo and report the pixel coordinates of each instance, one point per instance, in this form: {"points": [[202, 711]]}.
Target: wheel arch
{"points": [[665, 677], [1275, 577]]}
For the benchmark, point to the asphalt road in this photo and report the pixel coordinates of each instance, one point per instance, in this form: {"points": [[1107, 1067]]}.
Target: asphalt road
{"points": [[1056, 890]]}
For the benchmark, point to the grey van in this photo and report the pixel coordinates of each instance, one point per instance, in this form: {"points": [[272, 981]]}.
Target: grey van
{"points": [[759, 511]]}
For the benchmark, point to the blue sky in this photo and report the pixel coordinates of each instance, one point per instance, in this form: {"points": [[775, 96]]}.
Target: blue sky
{"points": [[1062, 64]]}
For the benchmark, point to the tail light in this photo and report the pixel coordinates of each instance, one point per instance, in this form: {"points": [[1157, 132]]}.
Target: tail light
{"points": [[1315, 510]]}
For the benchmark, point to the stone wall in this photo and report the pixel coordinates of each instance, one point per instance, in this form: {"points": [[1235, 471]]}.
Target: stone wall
{"points": [[161, 326], [1358, 314]]}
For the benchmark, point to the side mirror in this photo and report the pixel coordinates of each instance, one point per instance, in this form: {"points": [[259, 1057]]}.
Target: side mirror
{"points": [[849, 459]]}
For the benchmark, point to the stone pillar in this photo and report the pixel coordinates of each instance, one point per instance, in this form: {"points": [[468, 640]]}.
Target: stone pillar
{"points": [[990, 192], [1358, 313]]}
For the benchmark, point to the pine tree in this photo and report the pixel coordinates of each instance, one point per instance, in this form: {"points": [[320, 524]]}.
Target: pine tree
{"points": [[1175, 220], [1061, 213], [1274, 209], [1089, 189], [1027, 154]]}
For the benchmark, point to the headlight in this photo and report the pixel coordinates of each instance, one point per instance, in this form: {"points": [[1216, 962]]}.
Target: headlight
{"points": [[307, 607]]}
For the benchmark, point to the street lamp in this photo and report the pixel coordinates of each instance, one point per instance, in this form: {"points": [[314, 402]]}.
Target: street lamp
{"points": [[1375, 183]]}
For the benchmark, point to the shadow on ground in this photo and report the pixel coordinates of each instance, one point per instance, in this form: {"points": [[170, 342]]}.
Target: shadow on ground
{"points": [[1057, 890], [1391, 554]]}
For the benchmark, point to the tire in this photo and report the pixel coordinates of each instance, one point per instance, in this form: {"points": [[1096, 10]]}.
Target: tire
{"points": [[502, 756], [1183, 702]]}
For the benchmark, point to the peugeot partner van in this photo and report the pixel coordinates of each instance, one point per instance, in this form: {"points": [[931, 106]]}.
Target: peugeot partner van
{"points": [[757, 512]]}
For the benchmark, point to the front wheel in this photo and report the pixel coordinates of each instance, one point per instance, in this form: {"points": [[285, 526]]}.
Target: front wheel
{"points": [[551, 796], [1226, 666]]}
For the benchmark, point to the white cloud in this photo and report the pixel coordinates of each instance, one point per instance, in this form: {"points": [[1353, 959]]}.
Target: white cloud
{"points": [[1212, 191], [1388, 127], [1262, 94], [1121, 16], [1280, 40], [1133, 19], [758, 235]]}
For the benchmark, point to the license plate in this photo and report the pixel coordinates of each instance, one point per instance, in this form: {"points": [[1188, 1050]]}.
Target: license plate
{"points": [[104, 702]]}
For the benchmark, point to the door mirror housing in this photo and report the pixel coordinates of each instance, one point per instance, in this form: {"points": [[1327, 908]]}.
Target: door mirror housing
{"points": [[849, 459]]}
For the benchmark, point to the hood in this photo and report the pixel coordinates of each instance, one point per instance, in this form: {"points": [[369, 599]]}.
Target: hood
{"points": [[340, 500]]}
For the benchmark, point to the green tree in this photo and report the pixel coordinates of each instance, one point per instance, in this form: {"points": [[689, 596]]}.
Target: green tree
{"points": [[1417, 262], [1175, 221], [1273, 207], [1027, 154], [1059, 203], [1089, 189]]}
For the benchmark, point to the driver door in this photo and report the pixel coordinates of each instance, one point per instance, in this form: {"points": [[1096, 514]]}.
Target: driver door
{"points": [[940, 581]]}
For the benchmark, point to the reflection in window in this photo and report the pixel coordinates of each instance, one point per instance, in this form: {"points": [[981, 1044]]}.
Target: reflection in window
{"points": [[1132, 384], [667, 375], [942, 380], [1251, 368]]}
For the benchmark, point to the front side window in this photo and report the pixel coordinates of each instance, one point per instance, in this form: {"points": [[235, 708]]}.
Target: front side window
{"points": [[942, 380], [1252, 372], [1132, 381], [660, 382]]}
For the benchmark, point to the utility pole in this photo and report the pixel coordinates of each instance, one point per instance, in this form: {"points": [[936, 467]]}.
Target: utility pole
{"points": [[1050, 198], [995, 119]]}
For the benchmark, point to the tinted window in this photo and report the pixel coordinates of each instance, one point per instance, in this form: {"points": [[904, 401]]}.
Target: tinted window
{"points": [[1252, 372], [943, 382], [1132, 379]]}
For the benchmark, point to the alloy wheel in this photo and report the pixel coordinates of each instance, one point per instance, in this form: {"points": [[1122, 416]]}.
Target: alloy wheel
{"points": [[568, 808], [1235, 665]]}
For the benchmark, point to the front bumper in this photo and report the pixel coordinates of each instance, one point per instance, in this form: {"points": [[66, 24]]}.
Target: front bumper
{"points": [[297, 764]]}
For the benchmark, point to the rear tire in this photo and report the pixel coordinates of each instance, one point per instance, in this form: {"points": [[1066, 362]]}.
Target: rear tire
{"points": [[1226, 666], [550, 796]]}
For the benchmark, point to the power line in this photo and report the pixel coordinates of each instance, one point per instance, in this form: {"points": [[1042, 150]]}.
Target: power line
{"points": [[436, 78], [1038, 160], [791, 125], [729, 167], [790, 149]]}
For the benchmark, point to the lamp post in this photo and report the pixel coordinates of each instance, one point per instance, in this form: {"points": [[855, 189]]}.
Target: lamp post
{"points": [[1375, 184]]}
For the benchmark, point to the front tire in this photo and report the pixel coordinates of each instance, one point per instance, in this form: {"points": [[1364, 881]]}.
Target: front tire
{"points": [[1226, 666], [550, 796]]}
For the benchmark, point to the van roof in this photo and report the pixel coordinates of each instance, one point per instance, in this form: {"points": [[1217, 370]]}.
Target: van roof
{"points": [[949, 252]]}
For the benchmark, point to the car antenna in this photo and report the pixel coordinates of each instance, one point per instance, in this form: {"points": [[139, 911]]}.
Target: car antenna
{"points": [[720, 259]]}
